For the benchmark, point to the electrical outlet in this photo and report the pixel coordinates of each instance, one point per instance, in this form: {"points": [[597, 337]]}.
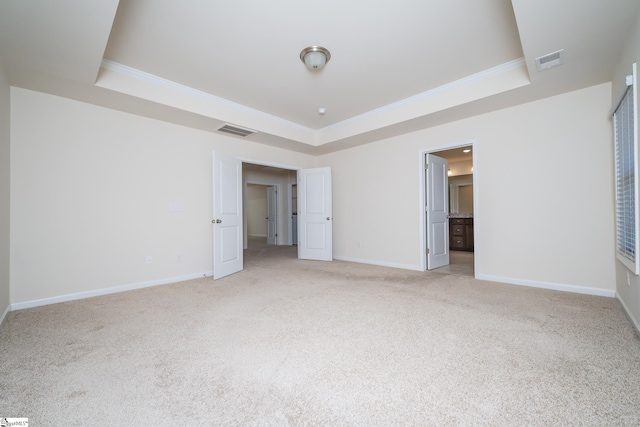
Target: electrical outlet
{"points": [[359, 244], [628, 279], [149, 259], [178, 257]]}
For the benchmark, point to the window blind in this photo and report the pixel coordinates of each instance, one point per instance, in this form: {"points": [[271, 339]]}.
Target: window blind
{"points": [[626, 149]]}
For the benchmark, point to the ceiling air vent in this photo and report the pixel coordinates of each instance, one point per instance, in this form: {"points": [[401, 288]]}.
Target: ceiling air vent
{"points": [[235, 130], [551, 60]]}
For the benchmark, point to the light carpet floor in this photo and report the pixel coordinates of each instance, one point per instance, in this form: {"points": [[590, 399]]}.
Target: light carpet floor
{"points": [[302, 343]]}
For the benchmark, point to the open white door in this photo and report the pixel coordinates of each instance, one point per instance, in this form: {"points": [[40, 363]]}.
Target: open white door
{"points": [[315, 217], [272, 215], [437, 209], [227, 215]]}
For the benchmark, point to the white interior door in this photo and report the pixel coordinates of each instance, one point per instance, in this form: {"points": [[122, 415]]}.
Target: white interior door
{"points": [[227, 215], [272, 215], [437, 209], [315, 217]]}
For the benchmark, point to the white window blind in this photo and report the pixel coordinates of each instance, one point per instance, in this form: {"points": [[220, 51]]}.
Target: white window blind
{"points": [[626, 147]]}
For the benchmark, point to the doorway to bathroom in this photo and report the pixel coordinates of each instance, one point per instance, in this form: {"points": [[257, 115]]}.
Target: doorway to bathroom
{"points": [[448, 221]]}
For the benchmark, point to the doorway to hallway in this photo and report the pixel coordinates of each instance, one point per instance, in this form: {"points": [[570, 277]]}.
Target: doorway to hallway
{"points": [[261, 203], [267, 204], [303, 203]]}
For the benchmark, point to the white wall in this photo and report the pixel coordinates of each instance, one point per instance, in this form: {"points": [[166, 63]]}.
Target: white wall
{"points": [[5, 196], [534, 165], [256, 210], [629, 294], [91, 190]]}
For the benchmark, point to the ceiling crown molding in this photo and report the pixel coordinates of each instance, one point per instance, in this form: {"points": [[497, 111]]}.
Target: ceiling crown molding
{"points": [[504, 77], [134, 82]]}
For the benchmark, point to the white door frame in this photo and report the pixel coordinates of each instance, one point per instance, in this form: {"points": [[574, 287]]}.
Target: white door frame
{"points": [[423, 215]]}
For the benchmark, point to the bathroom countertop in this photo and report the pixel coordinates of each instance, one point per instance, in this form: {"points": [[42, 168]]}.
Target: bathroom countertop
{"points": [[461, 215]]}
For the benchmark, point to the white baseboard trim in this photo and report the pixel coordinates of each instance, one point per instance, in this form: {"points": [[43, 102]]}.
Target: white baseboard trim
{"points": [[548, 285], [4, 315], [631, 317], [520, 282], [106, 291], [382, 264]]}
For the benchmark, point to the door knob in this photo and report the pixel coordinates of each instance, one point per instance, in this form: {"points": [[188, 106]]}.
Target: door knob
{"points": [[328, 218], [218, 221]]}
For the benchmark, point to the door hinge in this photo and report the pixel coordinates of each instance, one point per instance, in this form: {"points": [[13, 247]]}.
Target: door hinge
{"points": [[427, 250]]}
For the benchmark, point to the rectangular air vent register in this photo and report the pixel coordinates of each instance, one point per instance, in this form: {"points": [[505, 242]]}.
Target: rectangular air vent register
{"points": [[236, 130], [550, 60]]}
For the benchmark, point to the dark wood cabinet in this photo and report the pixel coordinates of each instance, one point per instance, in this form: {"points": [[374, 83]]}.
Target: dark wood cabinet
{"points": [[461, 234]]}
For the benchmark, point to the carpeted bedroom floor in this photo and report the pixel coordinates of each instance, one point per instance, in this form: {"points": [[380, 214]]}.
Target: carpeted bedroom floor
{"points": [[302, 343]]}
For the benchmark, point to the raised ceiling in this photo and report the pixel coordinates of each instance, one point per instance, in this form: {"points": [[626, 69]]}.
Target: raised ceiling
{"points": [[247, 51], [396, 67]]}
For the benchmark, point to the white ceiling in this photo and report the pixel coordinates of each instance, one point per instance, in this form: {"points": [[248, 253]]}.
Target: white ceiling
{"points": [[396, 67], [248, 51]]}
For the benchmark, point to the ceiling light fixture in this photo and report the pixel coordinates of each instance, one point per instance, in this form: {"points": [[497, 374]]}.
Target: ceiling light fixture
{"points": [[315, 57]]}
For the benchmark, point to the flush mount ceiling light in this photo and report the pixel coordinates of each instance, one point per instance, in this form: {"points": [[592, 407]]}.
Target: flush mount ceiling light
{"points": [[315, 57]]}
